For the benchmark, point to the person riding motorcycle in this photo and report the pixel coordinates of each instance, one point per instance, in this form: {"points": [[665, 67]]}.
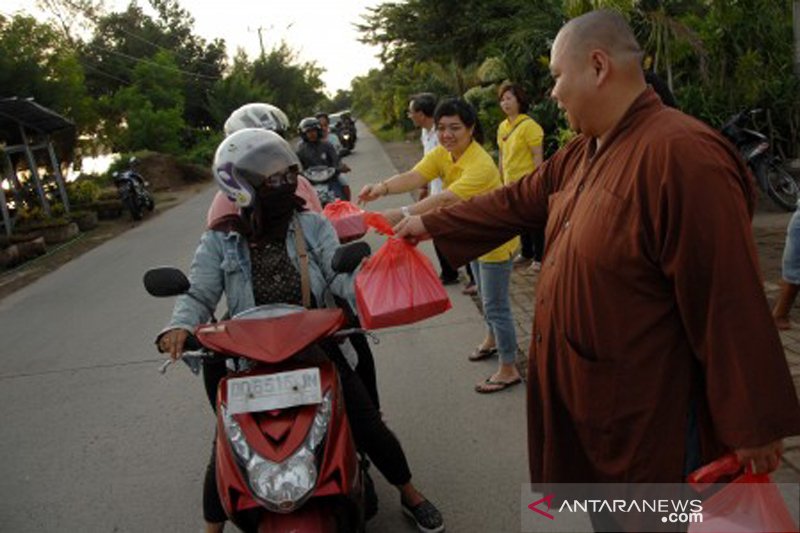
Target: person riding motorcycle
{"points": [[253, 259], [327, 134], [314, 151], [258, 115], [268, 117]]}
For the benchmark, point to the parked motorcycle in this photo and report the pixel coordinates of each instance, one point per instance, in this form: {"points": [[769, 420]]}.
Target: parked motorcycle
{"points": [[326, 182], [132, 189], [286, 459], [765, 165]]}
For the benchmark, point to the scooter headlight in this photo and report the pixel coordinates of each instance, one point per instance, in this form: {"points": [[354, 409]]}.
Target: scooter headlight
{"points": [[281, 487], [236, 437]]}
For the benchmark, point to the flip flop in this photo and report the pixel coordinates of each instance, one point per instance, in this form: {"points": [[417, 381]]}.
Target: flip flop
{"points": [[482, 353], [489, 386]]}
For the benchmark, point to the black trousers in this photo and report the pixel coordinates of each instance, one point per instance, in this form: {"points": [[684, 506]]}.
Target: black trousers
{"points": [[448, 272], [371, 435], [533, 245]]}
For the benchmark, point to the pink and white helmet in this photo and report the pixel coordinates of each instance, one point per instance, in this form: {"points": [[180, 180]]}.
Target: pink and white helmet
{"points": [[248, 156]]}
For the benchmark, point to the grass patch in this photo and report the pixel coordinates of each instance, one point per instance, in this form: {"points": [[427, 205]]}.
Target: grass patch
{"points": [[381, 131]]}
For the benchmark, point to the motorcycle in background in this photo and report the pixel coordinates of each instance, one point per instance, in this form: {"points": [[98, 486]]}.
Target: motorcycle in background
{"points": [[133, 193], [286, 459], [326, 182], [343, 126], [765, 165]]}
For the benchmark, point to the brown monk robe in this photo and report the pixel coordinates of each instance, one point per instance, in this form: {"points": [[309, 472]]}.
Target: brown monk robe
{"points": [[649, 299]]}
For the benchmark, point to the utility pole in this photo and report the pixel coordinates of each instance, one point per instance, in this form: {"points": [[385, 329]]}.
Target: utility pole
{"points": [[261, 41]]}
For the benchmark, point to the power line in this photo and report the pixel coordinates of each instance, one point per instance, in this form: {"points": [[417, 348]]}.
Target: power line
{"points": [[107, 75], [153, 63], [91, 18], [138, 59]]}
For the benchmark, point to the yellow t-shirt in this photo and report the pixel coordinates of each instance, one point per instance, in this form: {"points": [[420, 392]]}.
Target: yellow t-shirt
{"points": [[474, 173], [516, 146]]}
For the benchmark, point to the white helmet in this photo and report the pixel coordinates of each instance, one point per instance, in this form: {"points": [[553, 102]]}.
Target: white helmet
{"points": [[248, 156], [257, 115]]}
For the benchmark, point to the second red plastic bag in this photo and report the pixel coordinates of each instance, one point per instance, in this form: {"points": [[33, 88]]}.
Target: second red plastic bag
{"points": [[749, 503], [398, 285], [347, 220]]}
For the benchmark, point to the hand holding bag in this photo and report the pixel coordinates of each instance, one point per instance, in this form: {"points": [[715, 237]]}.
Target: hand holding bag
{"points": [[398, 284], [749, 503]]}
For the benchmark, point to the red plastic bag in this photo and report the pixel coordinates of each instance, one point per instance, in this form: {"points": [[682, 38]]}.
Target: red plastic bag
{"points": [[398, 285], [347, 219], [749, 503]]}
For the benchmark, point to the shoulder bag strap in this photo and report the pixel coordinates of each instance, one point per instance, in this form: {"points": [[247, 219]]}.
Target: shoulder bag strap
{"points": [[505, 137], [302, 255]]}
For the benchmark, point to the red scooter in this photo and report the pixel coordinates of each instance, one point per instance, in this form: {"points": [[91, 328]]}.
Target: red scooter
{"points": [[286, 459]]}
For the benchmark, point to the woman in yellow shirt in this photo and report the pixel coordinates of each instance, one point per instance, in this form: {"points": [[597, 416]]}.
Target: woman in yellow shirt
{"points": [[466, 170], [519, 139]]}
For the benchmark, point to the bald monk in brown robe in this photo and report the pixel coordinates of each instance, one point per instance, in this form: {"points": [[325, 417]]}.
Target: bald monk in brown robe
{"points": [[651, 318]]}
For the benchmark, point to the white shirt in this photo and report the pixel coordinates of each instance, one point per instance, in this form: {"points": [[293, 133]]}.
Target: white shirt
{"points": [[430, 141]]}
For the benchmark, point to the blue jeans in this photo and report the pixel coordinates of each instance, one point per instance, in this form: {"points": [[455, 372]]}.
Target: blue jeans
{"points": [[791, 251], [493, 280]]}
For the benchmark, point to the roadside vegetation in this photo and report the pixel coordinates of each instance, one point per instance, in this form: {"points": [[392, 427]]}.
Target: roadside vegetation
{"points": [[717, 56]]}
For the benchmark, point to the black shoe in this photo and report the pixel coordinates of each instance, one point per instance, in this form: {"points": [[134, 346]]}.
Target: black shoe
{"points": [[446, 280], [426, 515]]}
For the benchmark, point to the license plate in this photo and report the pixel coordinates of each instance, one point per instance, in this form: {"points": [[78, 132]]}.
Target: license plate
{"points": [[274, 391]]}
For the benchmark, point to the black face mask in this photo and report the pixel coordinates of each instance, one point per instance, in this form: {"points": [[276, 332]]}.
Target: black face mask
{"points": [[273, 197], [273, 211]]}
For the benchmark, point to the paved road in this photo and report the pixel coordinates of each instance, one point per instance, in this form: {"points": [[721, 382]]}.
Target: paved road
{"points": [[94, 439]]}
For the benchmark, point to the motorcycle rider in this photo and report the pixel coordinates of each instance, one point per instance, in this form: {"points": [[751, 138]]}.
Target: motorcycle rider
{"points": [[327, 134], [253, 259], [269, 117], [314, 151]]}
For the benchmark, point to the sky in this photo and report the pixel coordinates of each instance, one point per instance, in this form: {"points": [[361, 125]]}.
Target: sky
{"points": [[318, 31]]}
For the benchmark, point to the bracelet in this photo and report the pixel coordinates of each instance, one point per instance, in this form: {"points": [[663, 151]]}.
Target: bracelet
{"points": [[406, 211], [386, 188]]}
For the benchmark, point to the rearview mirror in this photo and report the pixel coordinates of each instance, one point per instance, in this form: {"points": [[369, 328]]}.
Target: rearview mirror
{"points": [[165, 281], [348, 256]]}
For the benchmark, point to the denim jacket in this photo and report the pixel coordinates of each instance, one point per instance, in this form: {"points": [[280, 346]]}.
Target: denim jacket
{"points": [[222, 263]]}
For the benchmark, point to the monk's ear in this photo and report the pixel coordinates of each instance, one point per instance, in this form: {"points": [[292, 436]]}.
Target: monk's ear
{"points": [[601, 65]]}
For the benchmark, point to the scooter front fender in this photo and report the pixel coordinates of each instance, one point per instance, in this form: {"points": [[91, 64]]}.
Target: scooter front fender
{"points": [[309, 518]]}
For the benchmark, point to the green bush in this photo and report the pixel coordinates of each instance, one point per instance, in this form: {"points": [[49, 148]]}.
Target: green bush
{"points": [[202, 152], [83, 191]]}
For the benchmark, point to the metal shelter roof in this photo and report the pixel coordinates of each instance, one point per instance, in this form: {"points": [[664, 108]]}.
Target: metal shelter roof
{"points": [[33, 117]]}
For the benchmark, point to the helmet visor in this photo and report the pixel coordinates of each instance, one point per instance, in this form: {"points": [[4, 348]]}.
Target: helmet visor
{"points": [[272, 181]]}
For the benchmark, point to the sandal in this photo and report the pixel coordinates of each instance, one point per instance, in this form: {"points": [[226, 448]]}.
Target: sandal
{"points": [[470, 290], [482, 353], [489, 386]]}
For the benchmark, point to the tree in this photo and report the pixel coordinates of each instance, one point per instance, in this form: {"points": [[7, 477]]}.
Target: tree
{"points": [[35, 62], [150, 111], [294, 87], [123, 40]]}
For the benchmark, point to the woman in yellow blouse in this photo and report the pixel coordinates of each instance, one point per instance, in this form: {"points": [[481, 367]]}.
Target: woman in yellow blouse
{"points": [[519, 139], [466, 170]]}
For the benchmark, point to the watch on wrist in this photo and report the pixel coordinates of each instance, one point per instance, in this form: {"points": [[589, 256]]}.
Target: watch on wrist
{"points": [[406, 211]]}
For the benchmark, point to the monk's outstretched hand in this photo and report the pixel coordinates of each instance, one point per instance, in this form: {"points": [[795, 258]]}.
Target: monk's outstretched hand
{"points": [[762, 460], [412, 229]]}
